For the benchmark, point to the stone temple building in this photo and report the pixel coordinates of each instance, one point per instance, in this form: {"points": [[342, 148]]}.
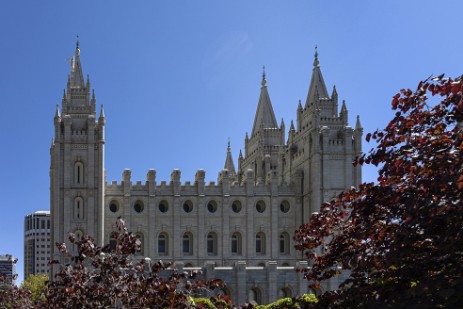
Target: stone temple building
{"points": [[238, 229]]}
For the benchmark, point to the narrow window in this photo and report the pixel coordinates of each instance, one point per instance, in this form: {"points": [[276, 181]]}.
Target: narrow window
{"points": [[162, 245], [79, 173], [236, 243], [187, 244], [211, 244], [260, 243]]}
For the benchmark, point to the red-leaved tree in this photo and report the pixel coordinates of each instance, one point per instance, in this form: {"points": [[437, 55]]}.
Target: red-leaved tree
{"points": [[400, 241], [114, 277]]}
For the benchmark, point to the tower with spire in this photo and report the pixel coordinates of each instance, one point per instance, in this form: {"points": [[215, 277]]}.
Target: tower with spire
{"points": [[77, 162]]}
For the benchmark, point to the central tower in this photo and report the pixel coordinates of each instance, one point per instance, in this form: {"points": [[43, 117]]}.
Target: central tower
{"points": [[77, 163]]}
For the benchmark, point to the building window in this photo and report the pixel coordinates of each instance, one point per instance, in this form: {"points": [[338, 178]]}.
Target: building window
{"points": [[255, 295], [284, 206], [284, 293], [236, 206], [78, 173], [138, 206], [140, 237], [78, 237], [163, 206], [113, 241], [260, 206], [163, 244], [187, 244], [188, 206], [284, 243], [211, 244], [260, 243], [78, 208], [236, 243], [114, 206], [212, 206]]}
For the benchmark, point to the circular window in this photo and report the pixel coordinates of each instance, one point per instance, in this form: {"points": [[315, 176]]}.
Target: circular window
{"points": [[188, 206], [284, 206], [138, 206], [212, 206], [236, 206], [113, 206], [163, 206], [260, 206]]}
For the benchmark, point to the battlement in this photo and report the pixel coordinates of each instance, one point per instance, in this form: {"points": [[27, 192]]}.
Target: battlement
{"points": [[226, 184]]}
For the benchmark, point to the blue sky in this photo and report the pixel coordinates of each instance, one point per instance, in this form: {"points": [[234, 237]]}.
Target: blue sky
{"points": [[178, 78]]}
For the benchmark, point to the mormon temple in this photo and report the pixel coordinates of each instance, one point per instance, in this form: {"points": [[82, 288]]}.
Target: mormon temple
{"points": [[240, 228]]}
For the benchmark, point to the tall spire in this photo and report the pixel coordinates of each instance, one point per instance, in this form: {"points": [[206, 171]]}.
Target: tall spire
{"points": [[265, 117], [229, 165], [76, 78], [317, 88]]}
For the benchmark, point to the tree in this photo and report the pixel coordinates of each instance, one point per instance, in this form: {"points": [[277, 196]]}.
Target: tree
{"points": [[37, 285], [113, 277], [399, 241]]}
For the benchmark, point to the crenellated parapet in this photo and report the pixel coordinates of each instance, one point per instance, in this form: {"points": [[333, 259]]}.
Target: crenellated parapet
{"points": [[226, 185]]}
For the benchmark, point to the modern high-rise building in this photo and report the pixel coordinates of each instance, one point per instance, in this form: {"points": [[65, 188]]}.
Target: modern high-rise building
{"points": [[8, 269], [239, 229], [37, 245]]}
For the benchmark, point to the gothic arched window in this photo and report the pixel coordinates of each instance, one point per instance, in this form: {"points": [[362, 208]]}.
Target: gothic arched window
{"points": [[78, 208], [163, 244], [78, 173], [284, 243], [211, 244], [236, 243], [187, 244], [260, 243]]}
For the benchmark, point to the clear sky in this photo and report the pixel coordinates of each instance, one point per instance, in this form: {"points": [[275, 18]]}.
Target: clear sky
{"points": [[178, 78]]}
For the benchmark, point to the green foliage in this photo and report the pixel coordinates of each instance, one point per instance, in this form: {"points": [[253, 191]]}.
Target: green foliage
{"points": [[37, 284], [305, 301], [203, 303]]}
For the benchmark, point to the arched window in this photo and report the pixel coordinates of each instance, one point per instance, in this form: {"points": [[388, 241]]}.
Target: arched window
{"points": [[236, 243], [163, 244], [284, 243], [112, 241], [260, 243], [255, 295], [212, 244], [140, 237], [78, 236], [78, 173], [187, 244], [285, 292], [78, 208]]}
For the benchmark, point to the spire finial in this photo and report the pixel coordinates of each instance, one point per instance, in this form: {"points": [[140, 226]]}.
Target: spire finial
{"points": [[264, 81], [228, 148], [77, 46], [316, 63]]}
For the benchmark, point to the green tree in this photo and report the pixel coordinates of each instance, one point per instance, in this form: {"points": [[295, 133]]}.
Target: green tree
{"points": [[37, 285], [399, 240]]}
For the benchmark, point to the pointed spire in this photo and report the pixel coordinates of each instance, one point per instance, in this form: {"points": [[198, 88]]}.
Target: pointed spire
{"points": [[299, 106], [358, 125], [102, 112], [282, 123], [76, 79], [241, 155], [229, 165], [343, 107], [291, 128], [316, 63], [57, 113], [334, 94], [265, 117], [317, 88]]}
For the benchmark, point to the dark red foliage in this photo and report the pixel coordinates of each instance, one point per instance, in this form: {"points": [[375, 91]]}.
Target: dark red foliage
{"points": [[400, 241]]}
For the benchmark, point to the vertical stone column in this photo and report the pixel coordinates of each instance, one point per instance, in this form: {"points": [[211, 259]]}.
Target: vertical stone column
{"points": [[272, 279]]}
